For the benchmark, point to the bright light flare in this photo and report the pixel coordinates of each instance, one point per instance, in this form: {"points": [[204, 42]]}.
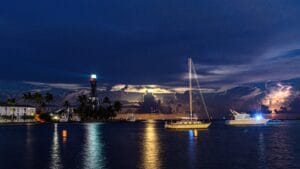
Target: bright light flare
{"points": [[93, 76], [258, 117]]}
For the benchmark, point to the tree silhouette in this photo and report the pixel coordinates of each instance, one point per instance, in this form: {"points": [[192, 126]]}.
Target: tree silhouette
{"points": [[49, 98], [104, 111], [27, 97], [106, 100], [117, 106], [11, 103], [38, 99], [66, 104]]}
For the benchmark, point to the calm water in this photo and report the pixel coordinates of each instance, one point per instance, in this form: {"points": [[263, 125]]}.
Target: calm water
{"points": [[147, 145]]}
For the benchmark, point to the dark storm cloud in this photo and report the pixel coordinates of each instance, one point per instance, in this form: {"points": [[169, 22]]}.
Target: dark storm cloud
{"points": [[148, 42], [265, 69]]}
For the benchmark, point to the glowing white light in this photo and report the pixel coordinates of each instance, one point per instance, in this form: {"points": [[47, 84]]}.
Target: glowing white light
{"points": [[93, 76], [258, 117]]}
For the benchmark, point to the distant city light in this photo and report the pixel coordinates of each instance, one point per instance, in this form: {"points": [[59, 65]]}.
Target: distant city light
{"points": [[55, 117], [93, 76]]}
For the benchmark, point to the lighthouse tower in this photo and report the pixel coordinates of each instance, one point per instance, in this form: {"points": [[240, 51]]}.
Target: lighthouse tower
{"points": [[93, 96]]}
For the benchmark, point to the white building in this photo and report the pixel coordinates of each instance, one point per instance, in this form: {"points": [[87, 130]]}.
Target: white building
{"points": [[17, 111]]}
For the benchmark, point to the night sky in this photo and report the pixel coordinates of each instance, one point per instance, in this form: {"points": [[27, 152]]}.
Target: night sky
{"points": [[232, 42]]}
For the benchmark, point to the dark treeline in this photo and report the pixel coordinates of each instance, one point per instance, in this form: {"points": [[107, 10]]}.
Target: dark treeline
{"points": [[38, 100], [104, 110], [86, 109]]}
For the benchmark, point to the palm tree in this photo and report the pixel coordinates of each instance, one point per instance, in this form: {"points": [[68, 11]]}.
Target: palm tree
{"points": [[83, 106], [38, 99], [27, 97], [12, 102], [106, 100], [117, 106], [48, 97], [82, 99], [66, 104]]}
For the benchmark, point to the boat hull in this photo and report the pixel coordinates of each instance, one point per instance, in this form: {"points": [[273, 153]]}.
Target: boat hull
{"points": [[131, 120], [247, 122], [187, 126]]}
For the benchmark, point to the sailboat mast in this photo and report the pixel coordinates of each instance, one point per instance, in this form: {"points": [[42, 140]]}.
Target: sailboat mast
{"points": [[190, 87]]}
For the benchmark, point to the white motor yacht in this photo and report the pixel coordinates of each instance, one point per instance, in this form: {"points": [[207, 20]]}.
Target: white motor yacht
{"points": [[246, 119]]}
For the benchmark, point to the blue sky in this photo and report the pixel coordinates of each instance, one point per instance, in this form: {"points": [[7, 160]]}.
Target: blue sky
{"points": [[232, 42]]}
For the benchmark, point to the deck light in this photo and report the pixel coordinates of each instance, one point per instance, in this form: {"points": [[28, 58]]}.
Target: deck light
{"points": [[258, 117]]}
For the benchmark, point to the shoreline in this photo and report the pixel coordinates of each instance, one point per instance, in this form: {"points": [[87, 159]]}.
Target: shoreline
{"points": [[116, 121], [153, 117]]}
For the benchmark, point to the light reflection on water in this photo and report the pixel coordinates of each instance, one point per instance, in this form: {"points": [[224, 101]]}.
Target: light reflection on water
{"points": [[93, 148], [55, 150], [281, 145], [192, 148], [261, 150], [151, 148], [29, 146]]}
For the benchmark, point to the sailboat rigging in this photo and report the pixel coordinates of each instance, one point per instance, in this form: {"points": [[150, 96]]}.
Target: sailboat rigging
{"points": [[191, 123]]}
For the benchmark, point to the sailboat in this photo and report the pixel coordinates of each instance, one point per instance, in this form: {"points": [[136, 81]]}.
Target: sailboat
{"points": [[131, 118], [191, 122]]}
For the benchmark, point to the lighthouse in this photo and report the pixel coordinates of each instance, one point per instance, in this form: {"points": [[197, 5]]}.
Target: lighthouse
{"points": [[93, 96]]}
